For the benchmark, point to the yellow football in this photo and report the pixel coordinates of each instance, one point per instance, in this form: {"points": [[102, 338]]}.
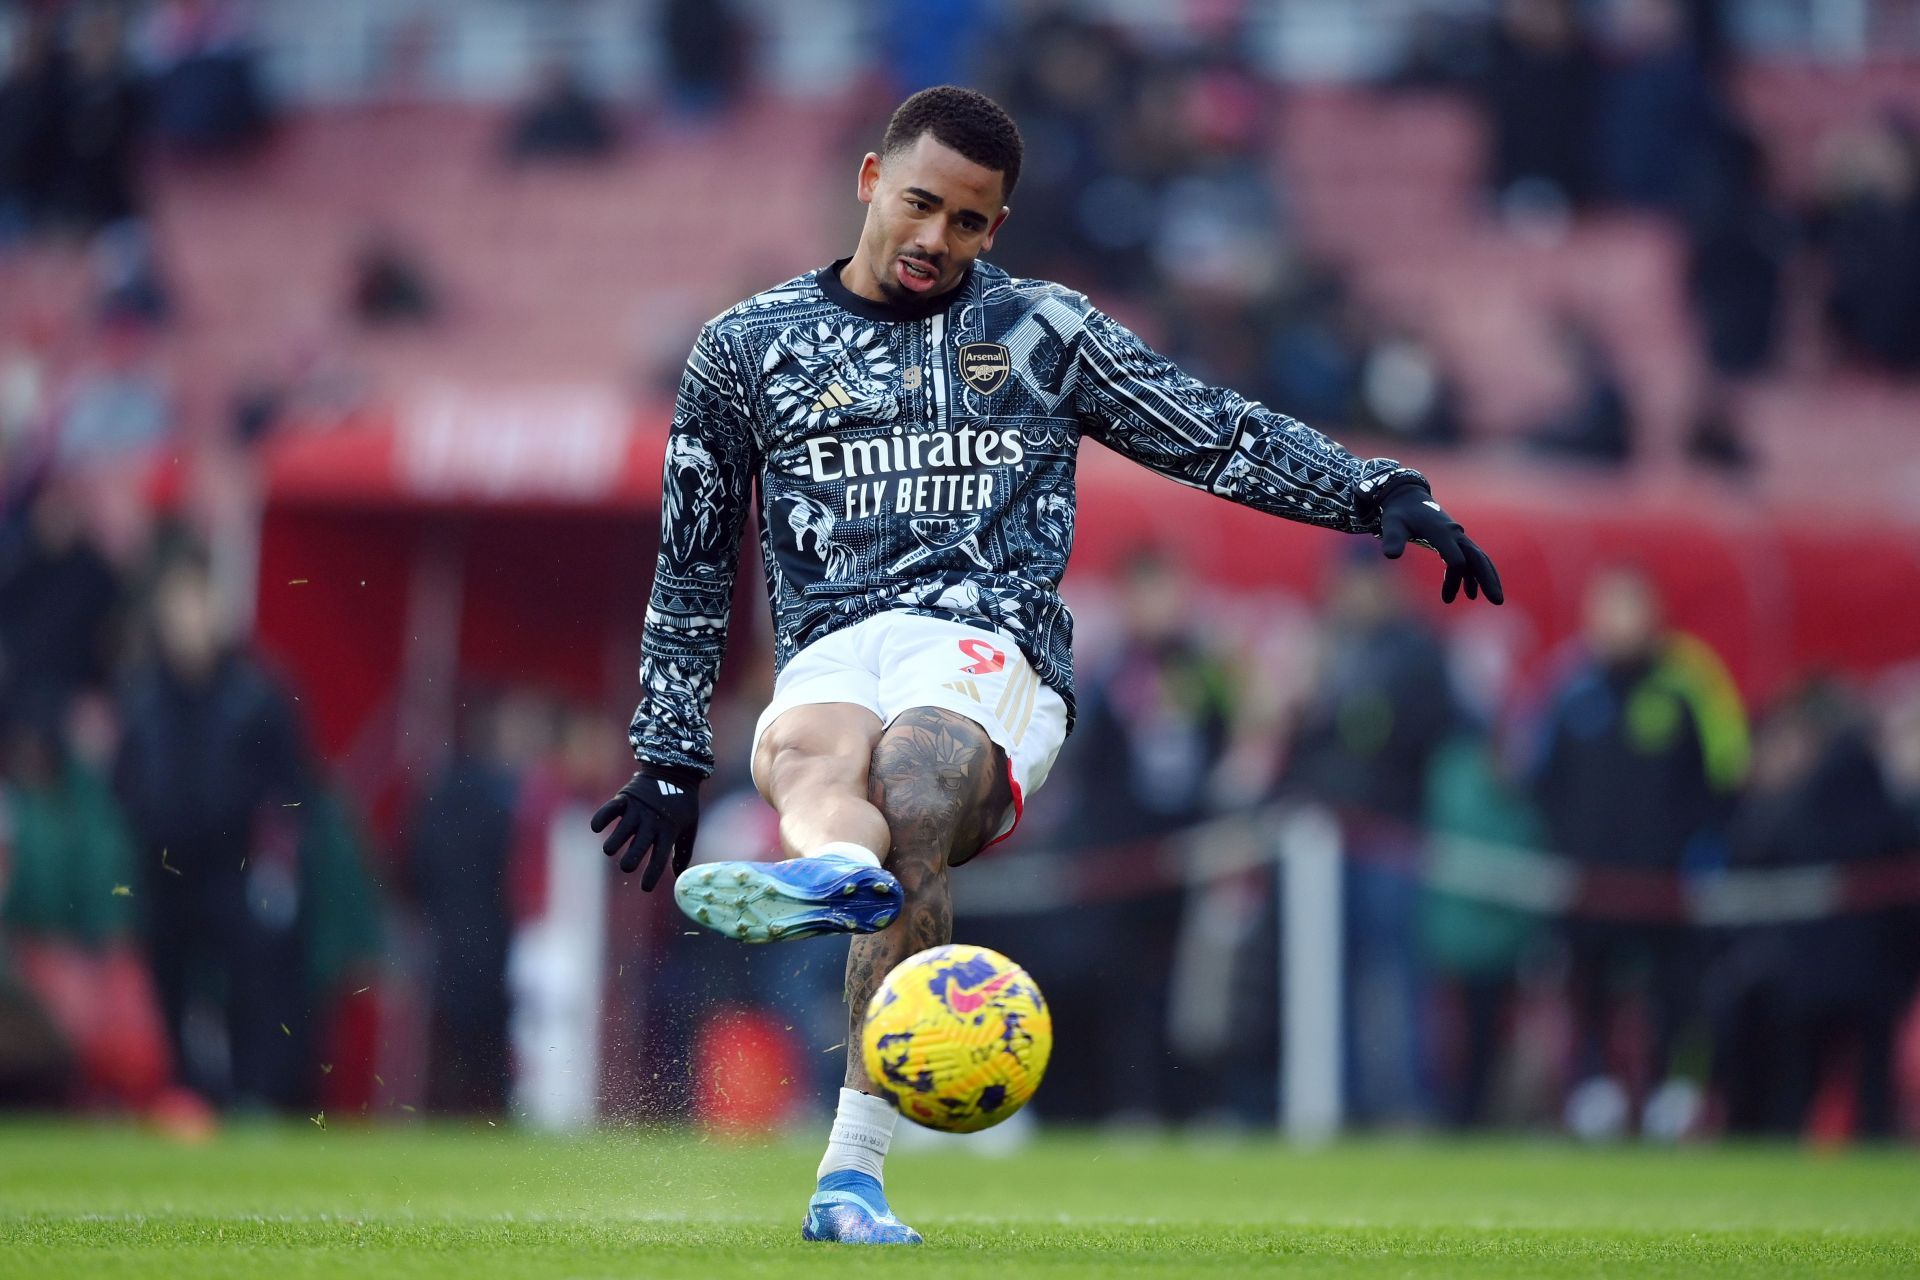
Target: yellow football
{"points": [[957, 1037]]}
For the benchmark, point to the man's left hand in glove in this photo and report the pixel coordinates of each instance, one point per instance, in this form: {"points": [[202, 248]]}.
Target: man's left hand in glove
{"points": [[1409, 514]]}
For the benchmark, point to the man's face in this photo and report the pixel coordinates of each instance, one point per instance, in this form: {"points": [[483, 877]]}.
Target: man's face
{"points": [[1622, 616], [930, 213], [187, 621]]}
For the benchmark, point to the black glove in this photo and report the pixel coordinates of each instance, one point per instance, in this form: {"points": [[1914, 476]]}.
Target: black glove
{"points": [[659, 811], [1409, 514]]}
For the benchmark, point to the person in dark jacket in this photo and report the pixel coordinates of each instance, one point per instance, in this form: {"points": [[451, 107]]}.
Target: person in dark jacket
{"points": [[561, 120], [457, 857], [1644, 740], [1793, 1000], [1658, 106], [30, 95], [212, 771], [101, 125], [59, 602], [1867, 220], [1382, 707], [1539, 90]]}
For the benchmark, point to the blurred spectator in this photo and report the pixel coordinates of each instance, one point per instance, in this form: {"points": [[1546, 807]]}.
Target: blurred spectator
{"points": [[24, 376], [560, 121], [1868, 222], [101, 122], [1540, 88], [1657, 105], [1899, 751], [705, 44], [59, 601], [1221, 230], [1315, 354], [1900, 740], [461, 839], [1442, 51], [72, 866], [69, 911], [1643, 742], [36, 1062], [1715, 437], [206, 87], [390, 283], [1473, 947], [1381, 701], [1380, 708], [1154, 722], [117, 404], [1738, 247], [310, 376], [129, 286], [1226, 271], [915, 62], [1403, 391], [573, 767], [212, 770], [1160, 704], [30, 103], [1085, 202], [1707, 31], [1594, 423], [341, 934], [1794, 1003]]}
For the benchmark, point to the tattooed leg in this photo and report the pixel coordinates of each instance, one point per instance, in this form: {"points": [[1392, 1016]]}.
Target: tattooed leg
{"points": [[942, 786]]}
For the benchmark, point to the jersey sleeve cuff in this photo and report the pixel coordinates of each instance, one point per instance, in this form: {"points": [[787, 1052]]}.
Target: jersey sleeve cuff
{"points": [[1379, 478], [675, 766]]}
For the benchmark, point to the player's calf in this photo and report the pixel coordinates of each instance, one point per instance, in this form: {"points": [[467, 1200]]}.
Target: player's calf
{"points": [[811, 765], [941, 784]]}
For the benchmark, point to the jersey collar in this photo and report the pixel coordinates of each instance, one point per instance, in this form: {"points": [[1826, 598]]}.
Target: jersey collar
{"points": [[828, 278]]}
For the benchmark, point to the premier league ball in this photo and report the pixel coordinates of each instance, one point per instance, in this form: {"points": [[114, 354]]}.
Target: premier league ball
{"points": [[957, 1037]]}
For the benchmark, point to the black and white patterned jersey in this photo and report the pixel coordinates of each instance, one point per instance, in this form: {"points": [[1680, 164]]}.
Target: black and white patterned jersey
{"points": [[921, 459]]}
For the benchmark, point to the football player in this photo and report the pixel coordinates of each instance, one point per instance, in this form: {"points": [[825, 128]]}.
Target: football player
{"points": [[909, 417]]}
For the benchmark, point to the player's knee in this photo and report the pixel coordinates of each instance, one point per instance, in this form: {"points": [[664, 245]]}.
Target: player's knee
{"points": [[933, 777]]}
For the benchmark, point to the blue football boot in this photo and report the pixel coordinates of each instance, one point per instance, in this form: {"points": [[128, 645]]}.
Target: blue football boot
{"points": [[849, 1207], [776, 901]]}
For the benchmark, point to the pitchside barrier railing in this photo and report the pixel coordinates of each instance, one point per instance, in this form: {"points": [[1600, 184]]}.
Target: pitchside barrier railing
{"points": [[1307, 845], [557, 1014]]}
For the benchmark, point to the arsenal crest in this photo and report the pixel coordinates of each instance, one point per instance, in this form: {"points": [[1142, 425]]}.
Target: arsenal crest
{"points": [[984, 366]]}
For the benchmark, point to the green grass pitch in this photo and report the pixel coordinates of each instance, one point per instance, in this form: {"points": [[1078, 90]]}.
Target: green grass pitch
{"points": [[475, 1203]]}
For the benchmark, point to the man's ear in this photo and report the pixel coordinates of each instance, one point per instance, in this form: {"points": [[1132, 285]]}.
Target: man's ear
{"points": [[869, 178], [994, 230]]}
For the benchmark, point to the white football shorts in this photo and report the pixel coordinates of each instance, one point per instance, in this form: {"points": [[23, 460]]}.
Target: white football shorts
{"points": [[894, 662]]}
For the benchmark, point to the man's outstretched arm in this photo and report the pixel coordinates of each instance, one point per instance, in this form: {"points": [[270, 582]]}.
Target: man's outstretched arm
{"points": [[707, 485], [1140, 404]]}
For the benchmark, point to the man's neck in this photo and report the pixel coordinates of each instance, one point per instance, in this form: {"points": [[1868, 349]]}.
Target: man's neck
{"points": [[858, 280], [852, 285]]}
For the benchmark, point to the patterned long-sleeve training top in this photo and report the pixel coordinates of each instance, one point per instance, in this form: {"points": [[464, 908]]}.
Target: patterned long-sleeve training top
{"points": [[921, 459]]}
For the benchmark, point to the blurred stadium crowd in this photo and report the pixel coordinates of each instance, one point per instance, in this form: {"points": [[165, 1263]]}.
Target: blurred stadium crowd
{"points": [[1659, 237]]}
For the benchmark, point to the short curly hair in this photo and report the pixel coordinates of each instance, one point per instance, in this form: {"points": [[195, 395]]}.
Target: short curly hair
{"points": [[968, 122]]}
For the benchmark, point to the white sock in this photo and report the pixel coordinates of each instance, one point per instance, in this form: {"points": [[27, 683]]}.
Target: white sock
{"points": [[846, 849], [862, 1132]]}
